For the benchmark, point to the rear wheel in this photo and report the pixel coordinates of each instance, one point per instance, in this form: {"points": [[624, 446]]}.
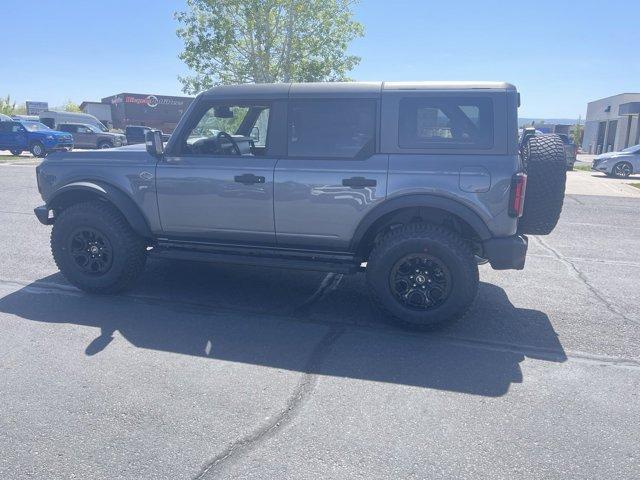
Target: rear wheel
{"points": [[422, 275], [622, 170], [95, 248], [545, 165], [15, 152], [37, 150]]}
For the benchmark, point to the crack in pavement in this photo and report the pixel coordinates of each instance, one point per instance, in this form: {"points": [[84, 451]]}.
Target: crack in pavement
{"points": [[292, 408], [623, 263], [582, 277]]}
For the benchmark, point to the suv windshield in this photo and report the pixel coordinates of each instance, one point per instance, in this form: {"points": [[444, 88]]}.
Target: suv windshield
{"points": [[35, 126]]}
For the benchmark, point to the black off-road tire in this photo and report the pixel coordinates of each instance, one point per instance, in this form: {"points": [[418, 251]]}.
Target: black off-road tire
{"points": [[545, 165], [128, 250], [37, 150], [436, 241]]}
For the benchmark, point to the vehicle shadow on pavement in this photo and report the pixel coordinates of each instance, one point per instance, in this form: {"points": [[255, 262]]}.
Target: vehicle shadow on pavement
{"points": [[337, 334]]}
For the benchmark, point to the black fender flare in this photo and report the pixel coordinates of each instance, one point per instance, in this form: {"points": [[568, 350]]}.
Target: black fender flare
{"points": [[416, 201], [112, 194]]}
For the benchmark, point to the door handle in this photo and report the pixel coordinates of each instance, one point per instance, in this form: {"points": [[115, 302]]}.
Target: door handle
{"points": [[359, 182], [248, 179]]}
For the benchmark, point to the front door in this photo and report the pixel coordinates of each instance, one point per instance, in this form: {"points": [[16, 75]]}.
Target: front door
{"points": [[84, 137], [332, 176], [216, 183]]}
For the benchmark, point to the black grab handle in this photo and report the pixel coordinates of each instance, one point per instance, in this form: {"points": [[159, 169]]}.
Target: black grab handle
{"points": [[359, 182]]}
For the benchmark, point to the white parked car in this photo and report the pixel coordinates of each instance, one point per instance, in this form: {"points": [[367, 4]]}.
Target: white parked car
{"points": [[618, 164]]}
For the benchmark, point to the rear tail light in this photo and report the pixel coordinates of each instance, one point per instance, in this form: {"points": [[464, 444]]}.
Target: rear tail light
{"points": [[518, 190]]}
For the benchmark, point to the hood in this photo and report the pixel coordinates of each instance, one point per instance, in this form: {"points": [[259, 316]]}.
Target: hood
{"points": [[126, 154], [604, 156], [53, 133]]}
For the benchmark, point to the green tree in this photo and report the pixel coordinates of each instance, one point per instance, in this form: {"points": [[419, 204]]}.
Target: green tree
{"points": [[243, 41], [71, 106], [577, 132], [7, 107]]}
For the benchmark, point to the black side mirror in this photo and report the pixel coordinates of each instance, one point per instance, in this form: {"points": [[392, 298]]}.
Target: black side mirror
{"points": [[153, 140]]}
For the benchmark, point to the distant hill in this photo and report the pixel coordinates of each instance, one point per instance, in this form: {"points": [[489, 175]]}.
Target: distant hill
{"points": [[560, 121]]}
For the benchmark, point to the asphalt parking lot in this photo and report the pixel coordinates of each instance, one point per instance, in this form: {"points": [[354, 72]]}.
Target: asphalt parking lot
{"points": [[208, 371]]}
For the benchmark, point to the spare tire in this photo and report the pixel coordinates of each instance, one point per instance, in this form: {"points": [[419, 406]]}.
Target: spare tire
{"points": [[545, 164]]}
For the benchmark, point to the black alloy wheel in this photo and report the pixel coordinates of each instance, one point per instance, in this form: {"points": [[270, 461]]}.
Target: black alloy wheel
{"points": [[622, 170], [420, 281], [91, 251]]}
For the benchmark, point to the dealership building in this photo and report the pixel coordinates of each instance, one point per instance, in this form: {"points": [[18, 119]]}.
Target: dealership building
{"points": [[156, 111], [612, 123]]}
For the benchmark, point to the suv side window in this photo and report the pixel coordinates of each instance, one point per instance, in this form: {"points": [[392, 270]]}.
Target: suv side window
{"points": [[331, 128], [82, 129], [67, 128], [229, 129], [446, 122]]}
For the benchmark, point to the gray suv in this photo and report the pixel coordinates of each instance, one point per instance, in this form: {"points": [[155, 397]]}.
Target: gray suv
{"points": [[412, 183], [90, 136]]}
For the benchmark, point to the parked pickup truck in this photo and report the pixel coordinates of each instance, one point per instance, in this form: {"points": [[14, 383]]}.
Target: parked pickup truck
{"points": [[90, 136], [18, 136], [411, 183]]}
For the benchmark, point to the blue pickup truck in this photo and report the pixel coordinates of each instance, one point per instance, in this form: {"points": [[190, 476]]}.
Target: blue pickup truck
{"points": [[20, 135]]}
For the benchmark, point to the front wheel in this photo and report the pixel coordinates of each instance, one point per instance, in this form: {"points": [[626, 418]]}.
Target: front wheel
{"points": [[622, 170], [95, 248], [37, 150], [423, 275], [103, 145], [15, 152]]}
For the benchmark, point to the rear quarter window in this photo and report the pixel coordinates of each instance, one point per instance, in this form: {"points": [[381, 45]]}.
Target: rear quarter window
{"points": [[446, 122]]}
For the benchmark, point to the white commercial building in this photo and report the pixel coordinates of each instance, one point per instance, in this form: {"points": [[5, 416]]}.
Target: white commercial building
{"points": [[612, 123]]}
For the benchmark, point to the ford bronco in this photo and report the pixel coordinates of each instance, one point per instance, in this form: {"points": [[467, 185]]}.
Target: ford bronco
{"points": [[413, 183]]}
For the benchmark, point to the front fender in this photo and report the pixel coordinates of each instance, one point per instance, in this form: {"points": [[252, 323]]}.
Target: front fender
{"points": [[127, 206]]}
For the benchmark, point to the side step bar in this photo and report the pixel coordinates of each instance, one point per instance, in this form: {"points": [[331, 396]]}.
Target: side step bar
{"points": [[263, 257]]}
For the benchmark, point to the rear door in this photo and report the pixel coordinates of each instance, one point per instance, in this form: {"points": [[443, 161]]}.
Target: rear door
{"points": [[13, 136], [332, 175], [5, 129], [73, 130]]}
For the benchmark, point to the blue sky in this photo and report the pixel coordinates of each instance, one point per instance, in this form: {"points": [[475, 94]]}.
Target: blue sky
{"points": [[560, 54]]}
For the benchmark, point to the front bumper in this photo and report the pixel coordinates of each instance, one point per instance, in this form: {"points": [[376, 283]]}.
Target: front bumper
{"points": [[507, 253], [600, 166]]}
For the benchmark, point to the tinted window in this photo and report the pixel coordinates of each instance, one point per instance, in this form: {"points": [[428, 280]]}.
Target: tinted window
{"points": [[67, 128], [332, 128], [449, 122]]}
